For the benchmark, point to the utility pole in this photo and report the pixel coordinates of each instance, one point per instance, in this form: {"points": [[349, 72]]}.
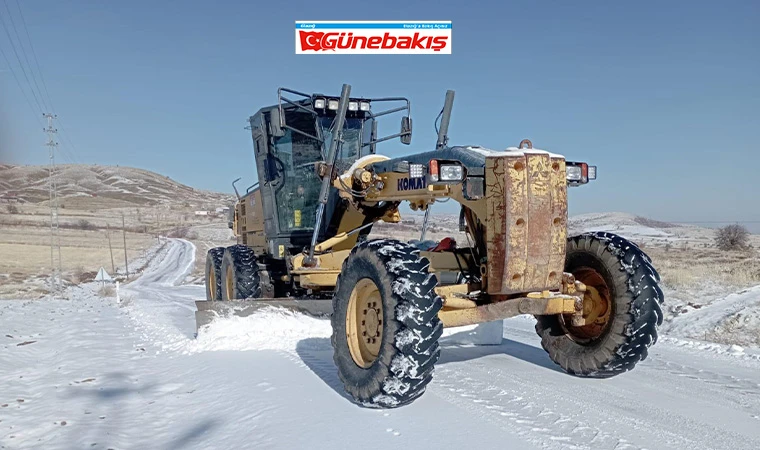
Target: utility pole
{"points": [[124, 235], [110, 249], [55, 239]]}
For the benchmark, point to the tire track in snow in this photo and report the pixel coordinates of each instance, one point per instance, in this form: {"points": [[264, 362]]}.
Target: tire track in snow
{"points": [[678, 405], [159, 310], [518, 406], [720, 384]]}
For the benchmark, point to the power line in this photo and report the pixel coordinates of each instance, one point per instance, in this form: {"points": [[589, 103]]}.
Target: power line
{"points": [[67, 141], [68, 150], [18, 58], [24, 53], [34, 54], [26, 97]]}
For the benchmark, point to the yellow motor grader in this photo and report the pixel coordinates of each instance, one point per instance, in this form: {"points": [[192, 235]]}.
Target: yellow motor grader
{"points": [[302, 243]]}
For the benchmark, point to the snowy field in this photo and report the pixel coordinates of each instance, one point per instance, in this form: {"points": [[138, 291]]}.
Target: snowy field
{"points": [[91, 372]]}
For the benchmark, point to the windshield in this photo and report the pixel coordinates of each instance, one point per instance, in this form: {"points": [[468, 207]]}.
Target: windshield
{"points": [[297, 193], [355, 132]]}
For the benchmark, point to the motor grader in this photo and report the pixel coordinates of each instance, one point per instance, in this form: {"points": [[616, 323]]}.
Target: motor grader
{"points": [[302, 243]]}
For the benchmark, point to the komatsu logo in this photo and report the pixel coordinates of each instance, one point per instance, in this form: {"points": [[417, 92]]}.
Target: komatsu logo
{"points": [[377, 37], [410, 184]]}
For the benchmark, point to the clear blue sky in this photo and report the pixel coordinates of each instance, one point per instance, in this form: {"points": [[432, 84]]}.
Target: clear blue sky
{"points": [[663, 96]]}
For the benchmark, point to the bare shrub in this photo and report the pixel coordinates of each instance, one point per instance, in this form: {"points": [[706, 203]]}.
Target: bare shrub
{"points": [[137, 229], [12, 209], [107, 291], [86, 225], [732, 237], [75, 277], [182, 232], [81, 224]]}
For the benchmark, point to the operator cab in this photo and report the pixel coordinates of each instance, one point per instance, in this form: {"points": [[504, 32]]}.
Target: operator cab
{"points": [[290, 140]]}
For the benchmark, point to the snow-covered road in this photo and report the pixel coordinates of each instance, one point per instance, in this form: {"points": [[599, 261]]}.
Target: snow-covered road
{"points": [[102, 375]]}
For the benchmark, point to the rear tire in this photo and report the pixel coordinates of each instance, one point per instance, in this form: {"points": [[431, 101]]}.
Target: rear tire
{"points": [[623, 274], [240, 274], [214, 273], [395, 365]]}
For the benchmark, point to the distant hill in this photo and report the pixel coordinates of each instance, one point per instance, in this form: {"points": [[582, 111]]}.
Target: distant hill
{"points": [[93, 186]]}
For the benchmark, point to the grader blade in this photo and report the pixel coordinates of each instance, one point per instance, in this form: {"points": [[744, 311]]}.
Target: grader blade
{"points": [[208, 311]]}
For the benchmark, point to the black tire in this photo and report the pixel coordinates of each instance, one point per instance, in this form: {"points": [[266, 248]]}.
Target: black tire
{"points": [[240, 261], [409, 348], [214, 263], [635, 298]]}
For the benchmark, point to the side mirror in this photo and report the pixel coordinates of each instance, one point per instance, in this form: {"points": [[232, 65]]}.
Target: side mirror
{"points": [[406, 130], [275, 123]]}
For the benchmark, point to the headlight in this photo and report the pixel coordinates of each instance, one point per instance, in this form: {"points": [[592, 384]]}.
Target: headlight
{"points": [[319, 103], [574, 173], [353, 106], [364, 106], [451, 172], [416, 170], [332, 104]]}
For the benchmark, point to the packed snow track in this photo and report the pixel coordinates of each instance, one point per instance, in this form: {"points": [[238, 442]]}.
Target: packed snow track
{"points": [[91, 372]]}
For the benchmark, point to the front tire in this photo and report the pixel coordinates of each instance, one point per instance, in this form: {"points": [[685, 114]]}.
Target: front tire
{"points": [[241, 274], [621, 305], [214, 273], [385, 324]]}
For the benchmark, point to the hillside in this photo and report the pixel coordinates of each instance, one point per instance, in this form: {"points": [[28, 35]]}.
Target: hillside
{"points": [[92, 186]]}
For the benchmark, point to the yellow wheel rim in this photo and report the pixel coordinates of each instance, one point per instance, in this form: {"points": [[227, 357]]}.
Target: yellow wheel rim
{"points": [[229, 283], [364, 323], [597, 307], [212, 284]]}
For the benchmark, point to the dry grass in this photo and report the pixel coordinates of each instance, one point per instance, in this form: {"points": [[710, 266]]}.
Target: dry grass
{"points": [[26, 254], [685, 268], [733, 331]]}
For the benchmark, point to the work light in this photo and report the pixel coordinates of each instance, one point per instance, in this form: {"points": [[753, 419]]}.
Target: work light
{"points": [[574, 173], [353, 106], [364, 106], [319, 103], [416, 170], [332, 104], [579, 173], [451, 172]]}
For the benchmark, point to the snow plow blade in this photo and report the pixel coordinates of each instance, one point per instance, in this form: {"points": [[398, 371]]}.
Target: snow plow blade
{"points": [[207, 311]]}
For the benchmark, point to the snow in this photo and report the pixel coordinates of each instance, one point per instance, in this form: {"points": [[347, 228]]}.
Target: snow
{"points": [[513, 150], [736, 313], [93, 373]]}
